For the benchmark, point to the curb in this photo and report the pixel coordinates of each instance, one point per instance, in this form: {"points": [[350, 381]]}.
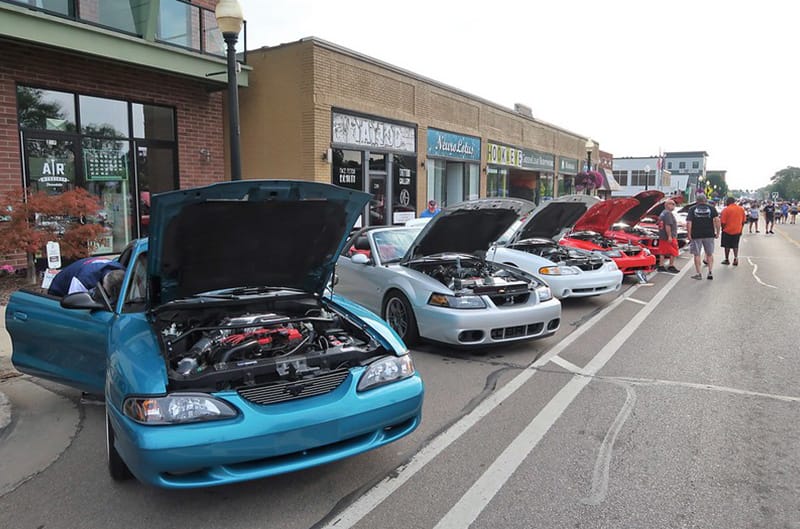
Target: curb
{"points": [[5, 412]]}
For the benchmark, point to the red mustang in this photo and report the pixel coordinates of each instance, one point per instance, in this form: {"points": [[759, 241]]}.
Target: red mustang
{"points": [[627, 229], [650, 220], [588, 234]]}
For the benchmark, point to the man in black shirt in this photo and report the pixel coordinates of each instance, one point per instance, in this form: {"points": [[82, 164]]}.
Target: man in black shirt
{"points": [[769, 216], [703, 226]]}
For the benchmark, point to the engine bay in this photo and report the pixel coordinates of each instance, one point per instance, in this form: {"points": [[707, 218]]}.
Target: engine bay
{"points": [[468, 275], [564, 255], [225, 346]]}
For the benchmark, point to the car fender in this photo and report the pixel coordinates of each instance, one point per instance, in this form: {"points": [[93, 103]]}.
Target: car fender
{"points": [[374, 324], [136, 365]]}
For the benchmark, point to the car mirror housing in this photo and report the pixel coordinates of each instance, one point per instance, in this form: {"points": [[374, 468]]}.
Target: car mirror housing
{"points": [[81, 300], [359, 258]]}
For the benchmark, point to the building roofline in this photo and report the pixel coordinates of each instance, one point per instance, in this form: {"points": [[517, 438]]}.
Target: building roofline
{"points": [[322, 43], [686, 153]]}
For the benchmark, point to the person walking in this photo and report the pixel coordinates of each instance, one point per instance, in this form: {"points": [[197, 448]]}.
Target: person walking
{"points": [[769, 217], [432, 211], [784, 212], [667, 238], [703, 226], [793, 212], [752, 216], [732, 220]]}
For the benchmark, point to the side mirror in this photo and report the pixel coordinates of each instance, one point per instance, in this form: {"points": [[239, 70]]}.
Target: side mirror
{"points": [[359, 258], [81, 300]]}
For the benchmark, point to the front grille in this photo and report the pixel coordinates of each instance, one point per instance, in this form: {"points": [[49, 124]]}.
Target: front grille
{"points": [[284, 391], [632, 251], [589, 266], [510, 299], [508, 333]]}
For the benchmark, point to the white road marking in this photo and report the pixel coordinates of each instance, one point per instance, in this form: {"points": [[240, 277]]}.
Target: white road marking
{"points": [[566, 364], [706, 387], [639, 301], [475, 500], [356, 511], [758, 279]]}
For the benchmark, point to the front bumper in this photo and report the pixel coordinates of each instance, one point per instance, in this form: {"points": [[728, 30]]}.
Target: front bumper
{"points": [[490, 326], [632, 264], [592, 283], [268, 440]]}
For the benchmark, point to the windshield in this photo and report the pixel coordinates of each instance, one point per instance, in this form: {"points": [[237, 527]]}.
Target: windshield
{"points": [[392, 245]]}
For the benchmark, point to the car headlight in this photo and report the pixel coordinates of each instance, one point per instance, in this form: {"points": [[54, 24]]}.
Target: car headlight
{"points": [[612, 253], [177, 408], [611, 266], [646, 251], [387, 369], [456, 302], [558, 271], [544, 293]]}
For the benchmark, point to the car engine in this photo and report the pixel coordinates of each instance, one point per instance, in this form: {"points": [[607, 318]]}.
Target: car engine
{"points": [[466, 275], [561, 254], [222, 349]]}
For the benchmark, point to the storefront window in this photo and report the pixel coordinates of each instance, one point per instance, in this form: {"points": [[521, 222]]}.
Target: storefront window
{"points": [[100, 139], [153, 122], [348, 170], [104, 117], [452, 182], [566, 185], [496, 182], [45, 109], [545, 187]]}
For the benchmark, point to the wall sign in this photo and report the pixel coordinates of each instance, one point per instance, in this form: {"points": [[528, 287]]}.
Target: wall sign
{"points": [[448, 145], [365, 132], [498, 154], [105, 164], [567, 165]]}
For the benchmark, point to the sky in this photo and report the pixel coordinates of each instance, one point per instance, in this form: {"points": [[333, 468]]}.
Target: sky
{"points": [[637, 76]]}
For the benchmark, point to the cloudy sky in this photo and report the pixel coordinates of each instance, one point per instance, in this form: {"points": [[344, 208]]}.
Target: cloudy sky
{"points": [[635, 75]]}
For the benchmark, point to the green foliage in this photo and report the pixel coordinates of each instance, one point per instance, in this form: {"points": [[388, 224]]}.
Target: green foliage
{"points": [[786, 183]]}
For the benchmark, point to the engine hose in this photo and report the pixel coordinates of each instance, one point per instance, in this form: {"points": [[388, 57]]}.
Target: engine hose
{"points": [[228, 353]]}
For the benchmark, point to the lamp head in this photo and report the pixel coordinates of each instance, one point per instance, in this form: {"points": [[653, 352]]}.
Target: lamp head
{"points": [[229, 16], [589, 145]]}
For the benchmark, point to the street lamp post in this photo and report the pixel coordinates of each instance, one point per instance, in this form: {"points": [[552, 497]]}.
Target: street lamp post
{"points": [[589, 150], [646, 176], [229, 19]]}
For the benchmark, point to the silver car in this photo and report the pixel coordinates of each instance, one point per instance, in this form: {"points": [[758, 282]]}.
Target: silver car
{"points": [[434, 283]]}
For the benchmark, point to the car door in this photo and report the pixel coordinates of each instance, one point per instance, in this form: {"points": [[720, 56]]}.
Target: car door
{"points": [[357, 281], [68, 346]]}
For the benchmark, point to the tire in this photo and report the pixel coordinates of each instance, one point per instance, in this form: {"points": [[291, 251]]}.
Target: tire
{"points": [[117, 468], [399, 315]]}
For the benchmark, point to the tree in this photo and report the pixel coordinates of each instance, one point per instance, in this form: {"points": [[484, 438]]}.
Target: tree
{"points": [[786, 183], [36, 218]]}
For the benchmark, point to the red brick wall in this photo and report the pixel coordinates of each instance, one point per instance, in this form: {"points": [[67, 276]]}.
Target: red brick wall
{"points": [[199, 112]]}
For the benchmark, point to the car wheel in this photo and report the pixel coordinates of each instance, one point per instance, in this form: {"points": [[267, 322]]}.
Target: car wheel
{"points": [[116, 466], [399, 315]]}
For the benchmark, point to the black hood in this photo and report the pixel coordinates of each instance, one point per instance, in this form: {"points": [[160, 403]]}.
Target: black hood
{"points": [[468, 227], [554, 217], [248, 233], [647, 199]]}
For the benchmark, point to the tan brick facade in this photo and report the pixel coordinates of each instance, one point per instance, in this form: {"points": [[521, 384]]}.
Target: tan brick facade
{"points": [[286, 111]]}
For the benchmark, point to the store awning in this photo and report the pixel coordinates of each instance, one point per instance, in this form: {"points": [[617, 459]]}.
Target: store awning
{"points": [[610, 183]]}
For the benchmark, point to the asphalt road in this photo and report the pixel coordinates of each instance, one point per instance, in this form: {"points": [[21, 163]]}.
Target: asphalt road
{"points": [[675, 404]]}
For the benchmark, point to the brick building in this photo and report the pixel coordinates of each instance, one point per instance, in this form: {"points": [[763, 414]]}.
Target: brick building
{"points": [[317, 111], [121, 98]]}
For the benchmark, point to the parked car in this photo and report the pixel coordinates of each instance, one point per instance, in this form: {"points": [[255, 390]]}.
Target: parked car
{"points": [[650, 220], [588, 234], [532, 246], [434, 282], [626, 229], [224, 359]]}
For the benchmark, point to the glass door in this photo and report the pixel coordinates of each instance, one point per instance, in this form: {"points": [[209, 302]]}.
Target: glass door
{"points": [[376, 186]]}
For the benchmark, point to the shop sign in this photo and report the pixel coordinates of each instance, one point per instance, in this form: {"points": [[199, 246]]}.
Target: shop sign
{"points": [[449, 145], [365, 132], [498, 154], [54, 173], [105, 164], [567, 165]]}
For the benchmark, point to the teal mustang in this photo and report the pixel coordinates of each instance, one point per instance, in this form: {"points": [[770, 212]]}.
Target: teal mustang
{"points": [[225, 358]]}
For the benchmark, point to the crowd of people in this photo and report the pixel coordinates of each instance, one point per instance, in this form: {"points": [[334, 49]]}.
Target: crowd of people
{"points": [[705, 224]]}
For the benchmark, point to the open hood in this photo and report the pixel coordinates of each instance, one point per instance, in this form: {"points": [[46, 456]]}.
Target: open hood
{"points": [[248, 233], [602, 215], [554, 217], [656, 210], [647, 199], [468, 227]]}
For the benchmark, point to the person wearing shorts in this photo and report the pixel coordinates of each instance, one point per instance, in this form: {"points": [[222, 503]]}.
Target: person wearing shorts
{"points": [[769, 217], [667, 238], [732, 220], [703, 226], [752, 216]]}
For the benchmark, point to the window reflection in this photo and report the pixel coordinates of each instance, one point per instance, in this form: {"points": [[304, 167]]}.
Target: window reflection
{"points": [[118, 14], [153, 122], [179, 24], [104, 117], [45, 109]]}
